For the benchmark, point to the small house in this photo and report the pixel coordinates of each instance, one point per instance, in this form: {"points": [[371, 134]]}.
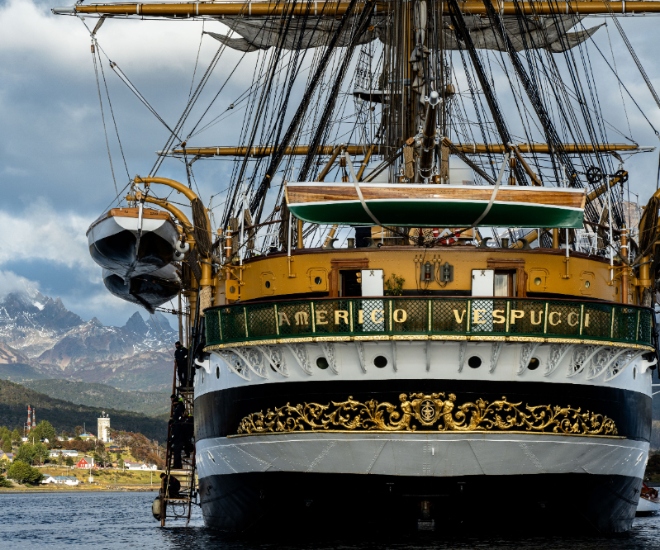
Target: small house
{"points": [[71, 481], [85, 463], [9, 457], [139, 466]]}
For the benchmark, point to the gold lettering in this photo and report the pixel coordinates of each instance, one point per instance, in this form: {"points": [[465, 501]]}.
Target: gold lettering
{"points": [[498, 317], [572, 315], [373, 315], [551, 317], [302, 318], [534, 321], [459, 319], [283, 318], [320, 317], [476, 317], [360, 316], [586, 320], [400, 315], [341, 314], [516, 314]]}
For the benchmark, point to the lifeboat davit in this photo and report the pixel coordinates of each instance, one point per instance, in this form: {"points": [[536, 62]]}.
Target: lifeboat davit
{"points": [[128, 242], [149, 290]]}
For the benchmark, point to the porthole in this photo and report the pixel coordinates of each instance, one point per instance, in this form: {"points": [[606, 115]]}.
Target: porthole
{"points": [[217, 372], [474, 362], [587, 284], [538, 281], [318, 280], [322, 363], [232, 289], [533, 363], [267, 284], [380, 361]]}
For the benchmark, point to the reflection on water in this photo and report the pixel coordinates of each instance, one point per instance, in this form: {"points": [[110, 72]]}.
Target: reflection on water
{"points": [[101, 521]]}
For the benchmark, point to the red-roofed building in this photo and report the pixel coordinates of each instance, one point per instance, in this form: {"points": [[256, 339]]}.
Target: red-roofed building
{"points": [[85, 463]]}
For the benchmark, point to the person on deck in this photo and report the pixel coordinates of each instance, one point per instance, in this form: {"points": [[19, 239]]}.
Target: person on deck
{"points": [[181, 359], [179, 407], [170, 485]]}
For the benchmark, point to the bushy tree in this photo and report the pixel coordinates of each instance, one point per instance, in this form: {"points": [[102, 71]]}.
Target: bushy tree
{"points": [[69, 461], [6, 443], [43, 430], [16, 437], [32, 454], [22, 472]]}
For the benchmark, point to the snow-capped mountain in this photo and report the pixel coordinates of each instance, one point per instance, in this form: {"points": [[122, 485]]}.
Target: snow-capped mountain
{"points": [[39, 332]]}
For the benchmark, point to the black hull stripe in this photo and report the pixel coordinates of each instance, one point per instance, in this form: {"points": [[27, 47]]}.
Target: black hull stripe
{"points": [[292, 503], [219, 413]]}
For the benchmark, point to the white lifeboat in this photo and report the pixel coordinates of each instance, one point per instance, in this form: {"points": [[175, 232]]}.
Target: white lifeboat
{"points": [[128, 242]]}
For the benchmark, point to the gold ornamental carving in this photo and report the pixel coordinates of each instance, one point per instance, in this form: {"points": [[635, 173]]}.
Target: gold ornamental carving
{"points": [[427, 412]]}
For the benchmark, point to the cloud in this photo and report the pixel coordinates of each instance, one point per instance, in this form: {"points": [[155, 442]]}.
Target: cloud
{"points": [[11, 282], [40, 232]]}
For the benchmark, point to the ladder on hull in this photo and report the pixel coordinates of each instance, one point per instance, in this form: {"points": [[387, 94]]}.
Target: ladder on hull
{"points": [[177, 506]]}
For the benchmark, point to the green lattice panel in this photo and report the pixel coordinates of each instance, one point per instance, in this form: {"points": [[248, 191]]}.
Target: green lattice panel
{"points": [[645, 333], [481, 316], [409, 316], [371, 316], [261, 321], [597, 321], [212, 328], [295, 318], [332, 317], [449, 316], [625, 324], [232, 321], [562, 320]]}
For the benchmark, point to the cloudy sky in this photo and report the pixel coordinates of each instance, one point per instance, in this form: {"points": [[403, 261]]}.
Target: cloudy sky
{"points": [[54, 172]]}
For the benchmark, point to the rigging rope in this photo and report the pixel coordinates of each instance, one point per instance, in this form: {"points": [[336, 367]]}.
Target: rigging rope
{"points": [[105, 130]]}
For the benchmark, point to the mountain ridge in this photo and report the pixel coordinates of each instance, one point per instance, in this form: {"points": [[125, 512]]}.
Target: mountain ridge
{"points": [[41, 339]]}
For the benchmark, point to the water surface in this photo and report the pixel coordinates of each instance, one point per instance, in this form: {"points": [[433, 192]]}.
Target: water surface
{"points": [[101, 521]]}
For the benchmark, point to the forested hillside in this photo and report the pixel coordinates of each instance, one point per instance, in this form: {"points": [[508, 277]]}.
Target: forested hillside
{"points": [[65, 416]]}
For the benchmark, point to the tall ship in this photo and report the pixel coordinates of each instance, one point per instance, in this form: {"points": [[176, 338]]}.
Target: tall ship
{"points": [[422, 295]]}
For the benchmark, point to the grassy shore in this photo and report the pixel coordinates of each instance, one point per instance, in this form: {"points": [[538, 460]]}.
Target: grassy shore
{"points": [[102, 480]]}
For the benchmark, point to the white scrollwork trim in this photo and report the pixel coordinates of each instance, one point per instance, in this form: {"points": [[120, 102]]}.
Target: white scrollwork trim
{"points": [[526, 353], [252, 358], [461, 355], [394, 356], [299, 352], [621, 364], [495, 351], [360, 351], [236, 364], [557, 354], [328, 349], [275, 358], [602, 360], [581, 357]]}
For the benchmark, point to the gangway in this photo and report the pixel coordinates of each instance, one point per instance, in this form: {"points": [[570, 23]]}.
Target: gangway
{"points": [[178, 507]]}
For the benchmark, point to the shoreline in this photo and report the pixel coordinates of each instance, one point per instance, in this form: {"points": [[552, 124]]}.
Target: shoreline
{"points": [[117, 489]]}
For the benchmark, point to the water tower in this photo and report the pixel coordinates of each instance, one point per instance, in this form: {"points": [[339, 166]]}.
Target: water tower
{"points": [[103, 428]]}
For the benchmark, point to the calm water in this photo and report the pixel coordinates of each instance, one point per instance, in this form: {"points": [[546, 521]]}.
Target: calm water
{"points": [[101, 521]]}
